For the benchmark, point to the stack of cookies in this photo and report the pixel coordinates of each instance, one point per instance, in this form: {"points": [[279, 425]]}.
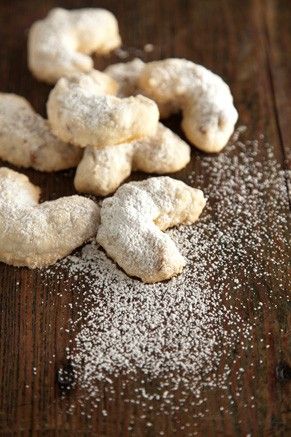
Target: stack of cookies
{"points": [[106, 124]]}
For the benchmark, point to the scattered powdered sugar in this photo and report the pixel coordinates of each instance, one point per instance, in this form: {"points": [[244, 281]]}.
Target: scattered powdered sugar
{"points": [[121, 53], [126, 52], [148, 48], [182, 333]]}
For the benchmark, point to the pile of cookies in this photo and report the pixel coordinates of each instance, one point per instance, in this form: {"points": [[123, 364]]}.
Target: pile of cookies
{"points": [[106, 124]]}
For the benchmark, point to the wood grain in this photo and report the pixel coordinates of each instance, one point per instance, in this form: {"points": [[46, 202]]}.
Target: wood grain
{"points": [[277, 32], [248, 43]]}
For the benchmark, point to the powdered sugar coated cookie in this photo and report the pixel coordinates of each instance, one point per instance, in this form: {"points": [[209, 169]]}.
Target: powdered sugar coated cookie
{"points": [[205, 99], [59, 44], [36, 235], [26, 139], [102, 170], [132, 222], [80, 113]]}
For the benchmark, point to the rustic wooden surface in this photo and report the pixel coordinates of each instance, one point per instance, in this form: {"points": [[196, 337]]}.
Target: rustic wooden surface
{"points": [[249, 44]]}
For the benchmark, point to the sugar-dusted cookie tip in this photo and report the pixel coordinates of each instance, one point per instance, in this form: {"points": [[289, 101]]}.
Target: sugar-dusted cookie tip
{"points": [[126, 75]]}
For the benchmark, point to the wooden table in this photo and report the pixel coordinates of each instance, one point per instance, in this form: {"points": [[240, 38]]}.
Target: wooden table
{"points": [[248, 43]]}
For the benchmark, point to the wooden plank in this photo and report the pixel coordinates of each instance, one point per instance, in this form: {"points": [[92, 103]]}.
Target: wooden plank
{"points": [[234, 39], [277, 16]]}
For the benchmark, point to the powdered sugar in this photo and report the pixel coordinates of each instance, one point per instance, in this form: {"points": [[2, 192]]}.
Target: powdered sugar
{"points": [[182, 334]]}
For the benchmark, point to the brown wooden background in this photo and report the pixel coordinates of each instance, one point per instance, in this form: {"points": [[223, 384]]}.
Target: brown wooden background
{"points": [[249, 44]]}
